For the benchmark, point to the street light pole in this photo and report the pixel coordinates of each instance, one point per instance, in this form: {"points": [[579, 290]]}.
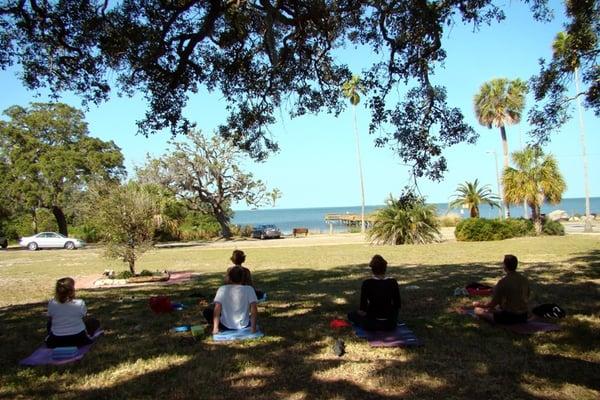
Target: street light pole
{"points": [[500, 192]]}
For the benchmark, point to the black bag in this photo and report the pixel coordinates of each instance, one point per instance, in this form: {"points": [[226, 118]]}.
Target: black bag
{"points": [[549, 310]]}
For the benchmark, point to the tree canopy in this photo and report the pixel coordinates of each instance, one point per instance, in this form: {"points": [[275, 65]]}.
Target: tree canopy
{"points": [[259, 54], [578, 47], [48, 157]]}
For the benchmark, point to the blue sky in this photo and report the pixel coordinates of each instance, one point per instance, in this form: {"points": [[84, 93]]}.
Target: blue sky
{"points": [[317, 166]]}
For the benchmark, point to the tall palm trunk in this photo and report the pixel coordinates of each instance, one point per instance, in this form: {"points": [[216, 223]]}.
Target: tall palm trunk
{"points": [[360, 172], [588, 220], [505, 153]]}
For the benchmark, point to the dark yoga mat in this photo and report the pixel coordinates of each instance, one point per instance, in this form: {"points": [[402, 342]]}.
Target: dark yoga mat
{"points": [[399, 337]]}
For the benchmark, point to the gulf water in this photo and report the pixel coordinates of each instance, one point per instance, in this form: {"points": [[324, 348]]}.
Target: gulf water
{"points": [[314, 218]]}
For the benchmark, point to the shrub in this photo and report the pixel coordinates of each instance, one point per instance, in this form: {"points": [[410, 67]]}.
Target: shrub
{"points": [[124, 275], [241, 230], [450, 219], [146, 273], [88, 233], [406, 220], [481, 229], [197, 226], [553, 228]]}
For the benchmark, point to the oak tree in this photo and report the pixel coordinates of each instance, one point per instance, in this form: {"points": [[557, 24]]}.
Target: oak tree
{"points": [[260, 55], [48, 157], [206, 173]]}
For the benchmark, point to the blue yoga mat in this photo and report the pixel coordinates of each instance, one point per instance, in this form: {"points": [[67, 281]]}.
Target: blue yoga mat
{"points": [[399, 337], [237, 334]]}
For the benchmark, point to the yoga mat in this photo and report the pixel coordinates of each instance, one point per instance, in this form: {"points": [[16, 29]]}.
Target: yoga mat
{"points": [[237, 334], [262, 299], [43, 355], [400, 337], [527, 328]]}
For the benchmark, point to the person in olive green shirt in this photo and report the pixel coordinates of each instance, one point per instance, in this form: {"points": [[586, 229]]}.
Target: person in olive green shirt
{"points": [[511, 294]]}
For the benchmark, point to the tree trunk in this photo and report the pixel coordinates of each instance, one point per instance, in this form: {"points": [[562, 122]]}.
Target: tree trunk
{"points": [[224, 222], [61, 221], [474, 212], [588, 218], [537, 220], [34, 224], [132, 266], [360, 172], [505, 153]]}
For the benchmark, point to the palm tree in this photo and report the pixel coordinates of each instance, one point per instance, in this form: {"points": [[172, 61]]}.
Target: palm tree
{"points": [[469, 195], [406, 220], [500, 102], [352, 90], [563, 49], [275, 195], [535, 179]]}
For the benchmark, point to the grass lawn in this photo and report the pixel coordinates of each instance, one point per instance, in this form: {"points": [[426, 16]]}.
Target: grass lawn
{"points": [[308, 286]]}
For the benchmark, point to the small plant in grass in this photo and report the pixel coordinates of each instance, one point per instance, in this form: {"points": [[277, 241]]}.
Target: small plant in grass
{"points": [[146, 273], [124, 275]]}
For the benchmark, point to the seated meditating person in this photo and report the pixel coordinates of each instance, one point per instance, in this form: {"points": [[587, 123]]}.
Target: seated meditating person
{"points": [[234, 305], [238, 258], [67, 322], [379, 300], [510, 296]]}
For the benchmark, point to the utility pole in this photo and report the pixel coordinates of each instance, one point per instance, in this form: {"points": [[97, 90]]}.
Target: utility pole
{"points": [[500, 191]]}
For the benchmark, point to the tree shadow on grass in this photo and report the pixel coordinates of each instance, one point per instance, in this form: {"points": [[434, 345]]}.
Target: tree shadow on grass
{"points": [[461, 357]]}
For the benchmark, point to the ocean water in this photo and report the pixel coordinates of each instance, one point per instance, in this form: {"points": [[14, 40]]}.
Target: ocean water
{"points": [[314, 218]]}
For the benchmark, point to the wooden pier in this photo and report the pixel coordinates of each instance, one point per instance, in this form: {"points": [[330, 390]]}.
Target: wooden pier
{"points": [[348, 219]]}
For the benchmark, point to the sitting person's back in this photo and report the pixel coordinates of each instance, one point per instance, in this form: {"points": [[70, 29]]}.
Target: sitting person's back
{"points": [[67, 323], [238, 257], [234, 305], [510, 298], [379, 299]]}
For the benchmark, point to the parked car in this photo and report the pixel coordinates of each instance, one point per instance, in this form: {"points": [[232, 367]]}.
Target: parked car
{"points": [[3, 242], [266, 231], [49, 240]]}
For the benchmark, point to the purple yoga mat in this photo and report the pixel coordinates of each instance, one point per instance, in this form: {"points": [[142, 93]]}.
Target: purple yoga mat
{"points": [[43, 355], [399, 337], [527, 328]]}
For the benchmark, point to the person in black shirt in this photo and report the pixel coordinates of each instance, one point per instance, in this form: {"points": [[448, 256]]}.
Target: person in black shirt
{"points": [[379, 300]]}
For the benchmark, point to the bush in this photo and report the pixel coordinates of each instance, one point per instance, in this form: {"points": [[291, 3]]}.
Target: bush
{"points": [[481, 229], [241, 230], [450, 219], [146, 273], [87, 233], [124, 275], [406, 220], [553, 228], [197, 226]]}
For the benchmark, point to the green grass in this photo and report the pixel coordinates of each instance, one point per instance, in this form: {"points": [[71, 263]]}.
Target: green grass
{"points": [[139, 358]]}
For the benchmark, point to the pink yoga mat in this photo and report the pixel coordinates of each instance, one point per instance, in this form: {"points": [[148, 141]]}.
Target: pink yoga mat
{"points": [[530, 327], [43, 355]]}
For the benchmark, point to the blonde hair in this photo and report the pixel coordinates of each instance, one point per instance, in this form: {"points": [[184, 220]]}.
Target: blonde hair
{"points": [[65, 290]]}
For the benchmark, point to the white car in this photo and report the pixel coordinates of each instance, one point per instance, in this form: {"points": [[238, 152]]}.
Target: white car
{"points": [[49, 240]]}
